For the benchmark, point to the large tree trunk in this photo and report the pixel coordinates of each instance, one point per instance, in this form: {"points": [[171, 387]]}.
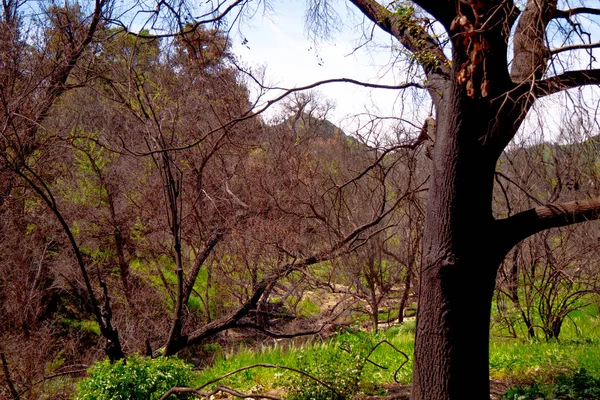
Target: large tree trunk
{"points": [[460, 258]]}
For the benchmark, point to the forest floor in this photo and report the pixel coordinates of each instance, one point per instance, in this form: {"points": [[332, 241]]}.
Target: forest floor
{"points": [[397, 391]]}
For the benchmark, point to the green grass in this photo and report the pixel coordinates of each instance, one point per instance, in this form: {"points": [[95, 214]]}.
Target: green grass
{"points": [[308, 357], [512, 360], [519, 360]]}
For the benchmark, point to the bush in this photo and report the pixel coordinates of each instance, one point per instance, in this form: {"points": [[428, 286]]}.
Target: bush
{"points": [[581, 386], [339, 364], [136, 378]]}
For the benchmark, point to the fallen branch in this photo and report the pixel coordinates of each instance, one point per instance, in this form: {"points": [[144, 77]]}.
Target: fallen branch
{"points": [[56, 375], [346, 347]]}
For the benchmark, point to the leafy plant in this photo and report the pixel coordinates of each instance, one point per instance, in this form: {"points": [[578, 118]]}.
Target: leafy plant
{"points": [[339, 368], [135, 378], [580, 386], [532, 392]]}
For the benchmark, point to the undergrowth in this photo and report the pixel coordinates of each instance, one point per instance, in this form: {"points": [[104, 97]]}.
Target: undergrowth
{"points": [[578, 386], [359, 362], [350, 362], [341, 361]]}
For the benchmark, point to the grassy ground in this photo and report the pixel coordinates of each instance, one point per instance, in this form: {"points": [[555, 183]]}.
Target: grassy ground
{"points": [[525, 361], [511, 360]]}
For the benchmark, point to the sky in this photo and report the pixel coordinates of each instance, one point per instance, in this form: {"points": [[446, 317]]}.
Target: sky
{"points": [[280, 42]]}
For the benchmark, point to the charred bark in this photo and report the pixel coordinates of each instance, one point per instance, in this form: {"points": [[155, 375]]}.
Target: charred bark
{"points": [[452, 338]]}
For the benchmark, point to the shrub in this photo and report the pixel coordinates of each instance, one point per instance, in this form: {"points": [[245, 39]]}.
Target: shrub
{"points": [[580, 386], [339, 364], [136, 378]]}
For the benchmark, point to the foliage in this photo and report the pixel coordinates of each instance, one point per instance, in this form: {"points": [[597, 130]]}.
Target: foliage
{"points": [[341, 369], [135, 378], [579, 386], [532, 392]]}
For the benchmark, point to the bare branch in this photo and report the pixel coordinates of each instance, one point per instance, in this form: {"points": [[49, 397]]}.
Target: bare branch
{"points": [[579, 46], [252, 114], [575, 11], [202, 20], [415, 40], [280, 335], [220, 378], [218, 389], [526, 223], [192, 275], [9, 382], [567, 80]]}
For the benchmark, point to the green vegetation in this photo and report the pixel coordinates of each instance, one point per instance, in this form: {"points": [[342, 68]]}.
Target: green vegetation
{"points": [[580, 386], [341, 362], [136, 378], [347, 363], [87, 326]]}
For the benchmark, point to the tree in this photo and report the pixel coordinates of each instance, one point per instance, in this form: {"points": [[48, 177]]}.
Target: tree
{"points": [[547, 276], [136, 117], [481, 98], [33, 79]]}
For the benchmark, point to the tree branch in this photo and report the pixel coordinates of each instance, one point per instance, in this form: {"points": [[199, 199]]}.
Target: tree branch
{"points": [[217, 390], [198, 263], [529, 47], [268, 104], [575, 11], [409, 31], [9, 382], [575, 47], [233, 319], [57, 82], [440, 10], [567, 80], [526, 223], [202, 20], [276, 335], [198, 389], [113, 347]]}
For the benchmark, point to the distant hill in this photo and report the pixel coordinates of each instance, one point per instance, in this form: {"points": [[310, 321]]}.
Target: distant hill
{"points": [[306, 126]]}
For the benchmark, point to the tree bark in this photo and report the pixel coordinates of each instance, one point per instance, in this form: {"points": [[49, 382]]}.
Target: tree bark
{"points": [[405, 294], [459, 247], [479, 107]]}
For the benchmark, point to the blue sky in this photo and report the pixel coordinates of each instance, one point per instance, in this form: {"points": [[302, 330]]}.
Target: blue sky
{"points": [[280, 41]]}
